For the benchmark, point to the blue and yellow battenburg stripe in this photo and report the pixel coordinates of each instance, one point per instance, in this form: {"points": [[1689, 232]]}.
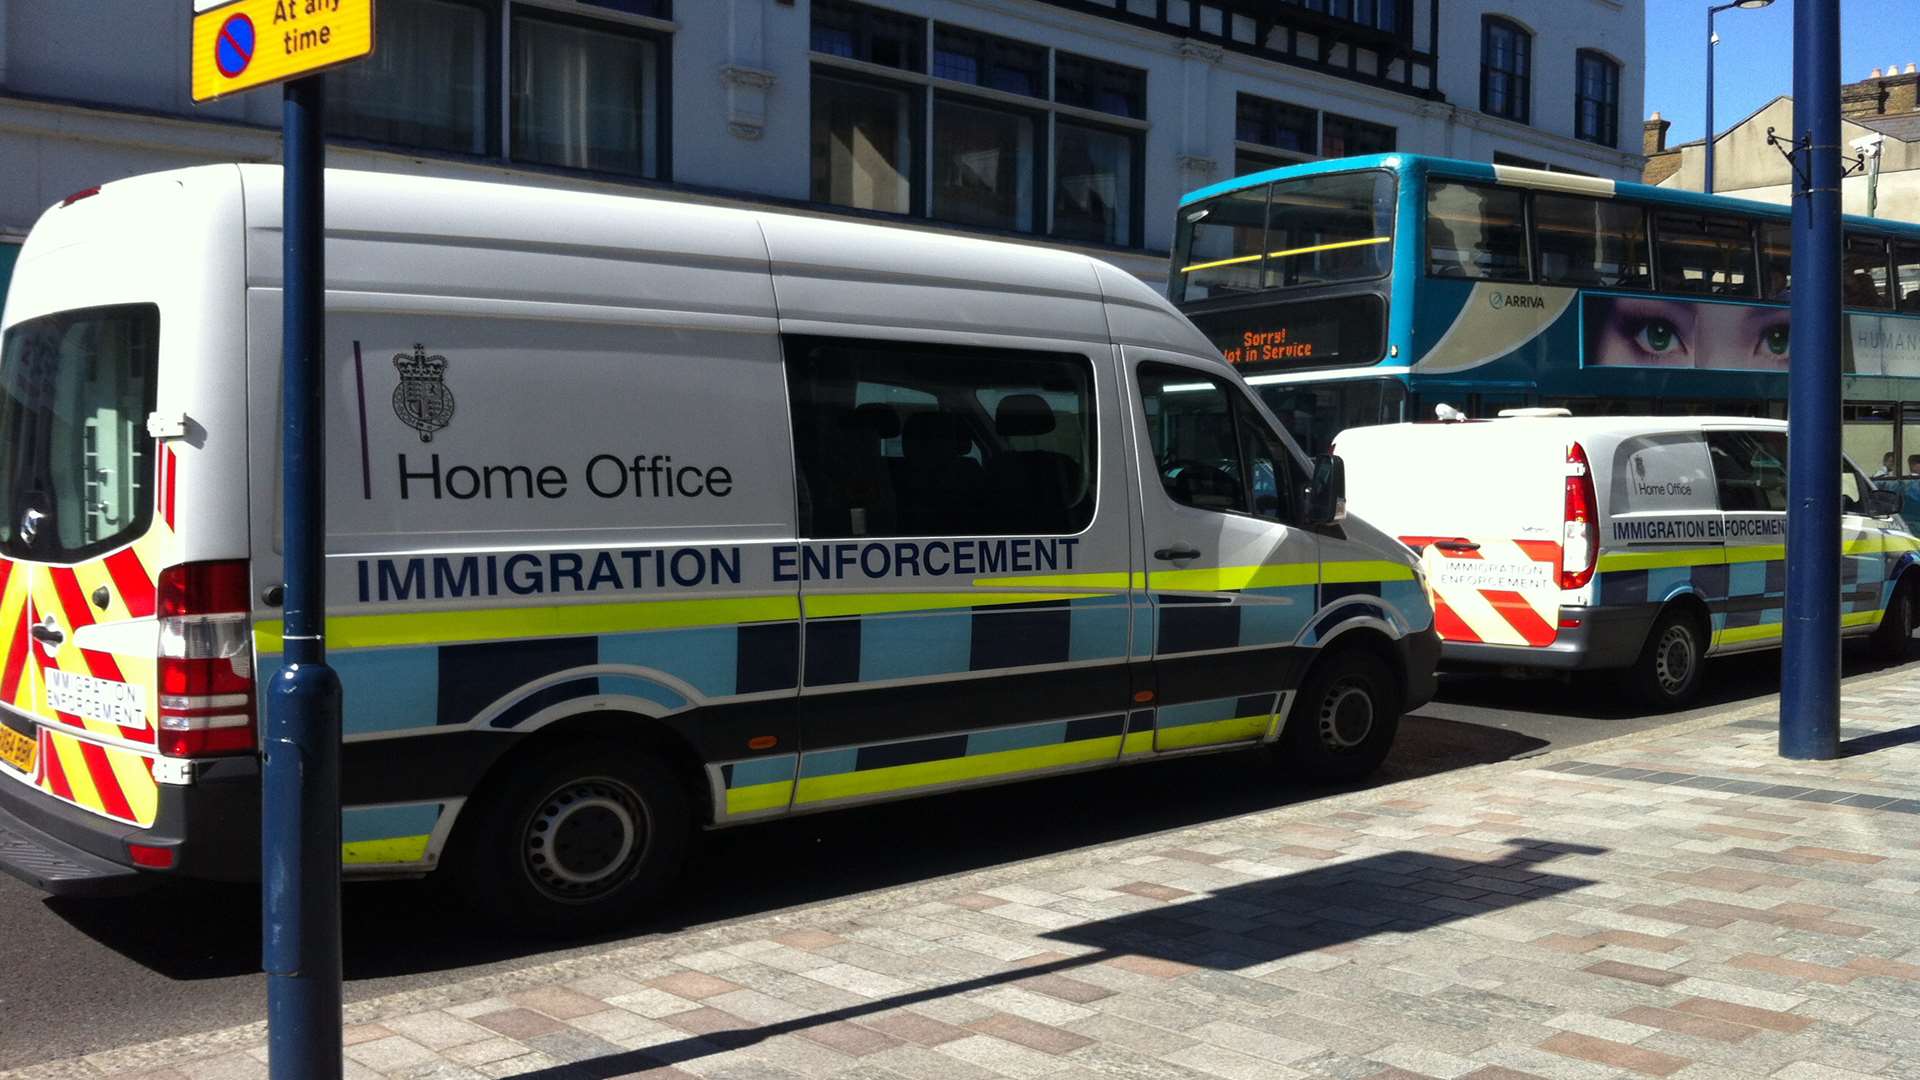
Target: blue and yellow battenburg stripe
{"points": [[1744, 586], [388, 835], [854, 774], [411, 671]]}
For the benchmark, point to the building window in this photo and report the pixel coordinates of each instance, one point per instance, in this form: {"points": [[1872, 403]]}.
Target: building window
{"points": [[585, 95], [1596, 115], [858, 32], [1070, 169], [581, 92], [1506, 66], [985, 163], [428, 86], [1277, 124], [993, 62], [863, 144], [1342, 136], [1100, 86]]}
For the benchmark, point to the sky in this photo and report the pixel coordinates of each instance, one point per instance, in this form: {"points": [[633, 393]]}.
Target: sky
{"points": [[1755, 61]]}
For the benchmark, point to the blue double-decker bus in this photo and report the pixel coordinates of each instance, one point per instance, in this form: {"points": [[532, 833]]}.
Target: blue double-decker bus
{"points": [[1374, 289]]}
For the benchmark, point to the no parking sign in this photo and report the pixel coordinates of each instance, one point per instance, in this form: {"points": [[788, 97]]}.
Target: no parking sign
{"points": [[241, 44]]}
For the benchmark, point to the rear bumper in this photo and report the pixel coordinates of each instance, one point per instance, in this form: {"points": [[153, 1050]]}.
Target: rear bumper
{"points": [[212, 825], [1607, 637]]}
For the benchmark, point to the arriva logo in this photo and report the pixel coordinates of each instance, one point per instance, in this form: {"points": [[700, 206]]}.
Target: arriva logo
{"points": [[1516, 300]]}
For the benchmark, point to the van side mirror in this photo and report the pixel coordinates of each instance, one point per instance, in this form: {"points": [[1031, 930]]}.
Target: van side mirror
{"points": [[1327, 494], [1882, 503]]}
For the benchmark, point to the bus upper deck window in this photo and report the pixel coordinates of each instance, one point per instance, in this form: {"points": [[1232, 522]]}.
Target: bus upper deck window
{"points": [[1476, 232]]}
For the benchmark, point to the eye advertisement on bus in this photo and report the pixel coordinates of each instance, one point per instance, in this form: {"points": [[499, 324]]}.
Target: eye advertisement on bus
{"points": [[1646, 331]]}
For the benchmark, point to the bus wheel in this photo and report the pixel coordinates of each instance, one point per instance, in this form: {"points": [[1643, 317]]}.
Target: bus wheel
{"points": [[577, 840], [1667, 674], [1893, 640], [1344, 721]]}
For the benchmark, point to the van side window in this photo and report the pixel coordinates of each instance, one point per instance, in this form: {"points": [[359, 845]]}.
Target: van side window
{"points": [[1750, 468], [908, 439], [1211, 449], [1270, 469]]}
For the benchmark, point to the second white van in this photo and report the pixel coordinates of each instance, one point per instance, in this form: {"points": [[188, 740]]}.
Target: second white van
{"points": [[1643, 544]]}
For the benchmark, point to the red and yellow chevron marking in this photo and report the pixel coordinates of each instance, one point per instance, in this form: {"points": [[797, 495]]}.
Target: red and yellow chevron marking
{"points": [[1498, 592], [92, 763]]}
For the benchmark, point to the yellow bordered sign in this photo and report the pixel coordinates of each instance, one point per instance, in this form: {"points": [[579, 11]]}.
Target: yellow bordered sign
{"points": [[247, 43]]}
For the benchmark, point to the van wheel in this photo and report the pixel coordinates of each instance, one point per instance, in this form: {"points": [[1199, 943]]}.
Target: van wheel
{"points": [[1893, 639], [1344, 721], [576, 840], [1667, 674]]}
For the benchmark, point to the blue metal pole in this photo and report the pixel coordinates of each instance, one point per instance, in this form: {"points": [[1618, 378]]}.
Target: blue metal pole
{"points": [[300, 804], [1810, 687], [1707, 187]]}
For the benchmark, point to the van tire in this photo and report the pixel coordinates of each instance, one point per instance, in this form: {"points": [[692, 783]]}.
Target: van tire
{"points": [[577, 839], [1893, 638], [1344, 719], [1666, 676]]}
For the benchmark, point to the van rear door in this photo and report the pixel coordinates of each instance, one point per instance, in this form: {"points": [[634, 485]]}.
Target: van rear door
{"points": [[82, 491], [1489, 541]]}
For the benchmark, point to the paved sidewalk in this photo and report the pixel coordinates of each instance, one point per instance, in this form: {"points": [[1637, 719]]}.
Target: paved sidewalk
{"points": [[1681, 904]]}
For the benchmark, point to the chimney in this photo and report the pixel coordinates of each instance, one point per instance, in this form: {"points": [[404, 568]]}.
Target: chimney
{"points": [[1874, 74], [1653, 138], [1910, 69]]}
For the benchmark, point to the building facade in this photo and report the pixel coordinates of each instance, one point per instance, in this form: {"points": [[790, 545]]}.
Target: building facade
{"points": [[1069, 122], [1879, 119]]}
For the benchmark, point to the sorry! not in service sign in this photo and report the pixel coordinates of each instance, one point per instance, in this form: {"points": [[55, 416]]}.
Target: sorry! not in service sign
{"points": [[241, 44]]}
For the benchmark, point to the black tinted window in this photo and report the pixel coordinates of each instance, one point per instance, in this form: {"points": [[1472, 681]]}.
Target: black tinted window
{"points": [[76, 475], [1705, 253], [1750, 468], [915, 440], [1864, 281]]}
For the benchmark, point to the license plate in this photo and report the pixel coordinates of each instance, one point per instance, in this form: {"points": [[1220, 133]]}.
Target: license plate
{"points": [[17, 750]]}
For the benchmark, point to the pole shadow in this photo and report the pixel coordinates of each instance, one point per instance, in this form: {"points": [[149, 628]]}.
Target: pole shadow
{"points": [[1234, 929], [1860, 745]]}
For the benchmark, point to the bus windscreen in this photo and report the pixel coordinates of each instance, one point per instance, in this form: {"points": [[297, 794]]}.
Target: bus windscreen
{"points": [[1317, 230]]}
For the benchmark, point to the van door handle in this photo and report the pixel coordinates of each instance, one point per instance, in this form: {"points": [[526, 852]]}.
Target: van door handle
{"points": [[1456, 545], [46, 633], [1177, 551]]}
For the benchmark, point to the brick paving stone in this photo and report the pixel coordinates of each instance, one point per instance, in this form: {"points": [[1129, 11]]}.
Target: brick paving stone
{"points": [[849, 1038], [694, 985], [557, 1002], [1687, 1023], [907, 1026], [519, 1023], [1614, 969], [1613, 1054]]}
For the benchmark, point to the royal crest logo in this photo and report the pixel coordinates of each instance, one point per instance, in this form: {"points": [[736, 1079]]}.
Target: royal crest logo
{"points": [[422, 400]]}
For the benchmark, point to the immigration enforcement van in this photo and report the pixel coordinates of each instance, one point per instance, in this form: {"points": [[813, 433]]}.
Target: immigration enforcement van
{"points": [[1643, 544], [643, 517]]}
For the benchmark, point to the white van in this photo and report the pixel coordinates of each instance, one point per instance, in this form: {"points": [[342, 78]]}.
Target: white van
{"points": [[1635, 543], [642, 517]]}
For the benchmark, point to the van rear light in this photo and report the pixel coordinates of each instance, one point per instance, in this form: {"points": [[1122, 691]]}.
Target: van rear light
{"points": [[1580, 540], [206, 660]]}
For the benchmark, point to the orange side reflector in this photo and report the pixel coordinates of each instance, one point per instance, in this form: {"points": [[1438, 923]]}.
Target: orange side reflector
{"points": [[762, 742]]}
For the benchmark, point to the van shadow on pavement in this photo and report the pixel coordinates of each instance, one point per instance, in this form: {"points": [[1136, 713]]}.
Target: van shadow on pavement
{"points": [[1231, 930], [405, 928]]}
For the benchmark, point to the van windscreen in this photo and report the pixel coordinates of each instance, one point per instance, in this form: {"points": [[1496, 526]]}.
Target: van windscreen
{"points": [[75, 391]]}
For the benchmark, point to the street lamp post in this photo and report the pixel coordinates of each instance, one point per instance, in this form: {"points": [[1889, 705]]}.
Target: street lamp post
{"points": [[1750, 5]]}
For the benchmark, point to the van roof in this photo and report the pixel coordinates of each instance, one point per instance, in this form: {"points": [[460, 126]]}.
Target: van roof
{"points": [[1563, 426], [825, 269]]}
